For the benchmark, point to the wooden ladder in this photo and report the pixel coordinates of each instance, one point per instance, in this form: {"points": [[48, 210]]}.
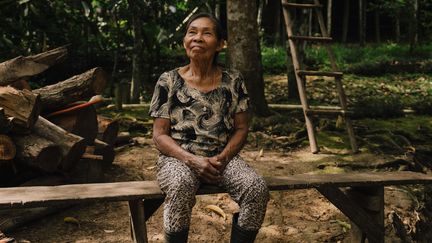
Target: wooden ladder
{"points": [[301, 74]]}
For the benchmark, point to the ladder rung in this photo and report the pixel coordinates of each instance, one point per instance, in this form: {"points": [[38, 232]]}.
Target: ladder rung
{"points": [[319, 73], [299, 5], [310, 38], [328, 112]]}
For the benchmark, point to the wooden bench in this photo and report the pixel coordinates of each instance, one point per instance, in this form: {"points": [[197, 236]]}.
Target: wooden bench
{"points": [[145, 197]]}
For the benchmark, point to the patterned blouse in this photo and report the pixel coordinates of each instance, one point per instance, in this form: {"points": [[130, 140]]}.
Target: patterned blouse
{"points": [[201, 122]]}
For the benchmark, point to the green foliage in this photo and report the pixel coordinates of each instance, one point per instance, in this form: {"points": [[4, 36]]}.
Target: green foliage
{"points": [[372, 59], [99, 32], [273, 60]]}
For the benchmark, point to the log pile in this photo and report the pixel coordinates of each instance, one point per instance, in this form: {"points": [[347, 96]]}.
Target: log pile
{"points": [[53, 131]]}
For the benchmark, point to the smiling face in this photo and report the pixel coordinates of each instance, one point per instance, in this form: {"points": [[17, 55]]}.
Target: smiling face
{"points": [[201, 41]]}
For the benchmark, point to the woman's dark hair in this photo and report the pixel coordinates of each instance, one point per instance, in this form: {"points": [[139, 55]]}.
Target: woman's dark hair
{"points": [[220, 33]]}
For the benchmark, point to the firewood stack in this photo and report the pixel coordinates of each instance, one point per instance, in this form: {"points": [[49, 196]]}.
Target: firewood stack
{"points": [[53, 131]]}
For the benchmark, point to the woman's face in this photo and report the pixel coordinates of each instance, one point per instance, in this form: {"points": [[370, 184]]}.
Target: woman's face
{"points": [[200, 41]]}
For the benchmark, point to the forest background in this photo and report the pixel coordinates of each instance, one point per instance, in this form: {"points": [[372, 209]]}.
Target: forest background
{"points": [[135, 41], [382, 46]]}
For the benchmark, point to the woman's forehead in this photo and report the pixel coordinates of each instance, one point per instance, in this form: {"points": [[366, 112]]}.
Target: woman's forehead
{"points": [[202, 23]]}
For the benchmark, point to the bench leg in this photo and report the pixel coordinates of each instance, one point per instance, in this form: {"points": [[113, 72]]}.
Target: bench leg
{"points": [[371, 199], [351, 208], [138, 222]]}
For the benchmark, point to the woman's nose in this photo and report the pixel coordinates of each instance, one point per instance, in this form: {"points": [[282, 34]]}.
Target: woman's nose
{"points": [[197, 37]]}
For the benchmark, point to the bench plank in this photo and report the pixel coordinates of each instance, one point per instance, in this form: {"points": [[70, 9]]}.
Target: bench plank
{"points": [[305, 181], [16, 197]]}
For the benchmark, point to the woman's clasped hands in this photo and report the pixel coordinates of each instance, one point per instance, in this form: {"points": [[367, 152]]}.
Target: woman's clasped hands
{"points": [[209, 169]]}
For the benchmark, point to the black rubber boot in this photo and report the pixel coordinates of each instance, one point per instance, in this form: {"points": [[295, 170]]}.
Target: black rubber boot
{"points": [[240, 235], [177, 237]]}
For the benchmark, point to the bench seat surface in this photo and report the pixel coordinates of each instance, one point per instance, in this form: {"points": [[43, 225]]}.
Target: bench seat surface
{"points": [[124, 191]]}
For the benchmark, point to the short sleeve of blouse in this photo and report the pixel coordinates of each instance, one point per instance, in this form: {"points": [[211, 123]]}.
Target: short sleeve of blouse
{"points": [[243, 96], [159, 105]]}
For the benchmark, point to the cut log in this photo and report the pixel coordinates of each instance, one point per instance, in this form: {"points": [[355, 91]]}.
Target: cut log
{"points": [[88, 170], [107, 130], [21, 67], [36, 151], [76, 88], [81, 122], [4, 121], [123, 138], [47, 180], [22, 105], [7, 148], [103, 149], [20, 84], [73, 146], [17, 218]]}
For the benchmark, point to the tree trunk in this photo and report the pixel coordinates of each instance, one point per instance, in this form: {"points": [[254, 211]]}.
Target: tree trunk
{"points": [[329, 16], [362, 23], [72, 146], [23, 106], [107, 130], [76, 88], [137, 51], [413, 33], [345, 26], [35, 151], [310, 22], [244, 51], [397, 28], [7, 149], [23, 67], [377, 26], [81, 122]]}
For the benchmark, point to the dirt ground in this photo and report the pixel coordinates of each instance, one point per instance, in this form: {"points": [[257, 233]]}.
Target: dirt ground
{"points": [[292, 216]]}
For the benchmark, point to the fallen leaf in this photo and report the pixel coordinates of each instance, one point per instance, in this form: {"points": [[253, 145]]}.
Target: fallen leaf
{"points": [[71, 220], [217, 210]]}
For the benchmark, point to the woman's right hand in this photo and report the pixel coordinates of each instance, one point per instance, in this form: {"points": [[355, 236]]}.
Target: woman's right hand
{"points": [[206, 171]]}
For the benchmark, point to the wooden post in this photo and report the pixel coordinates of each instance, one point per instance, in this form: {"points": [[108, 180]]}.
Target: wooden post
{"points": [[371, 199], [138, 222]]}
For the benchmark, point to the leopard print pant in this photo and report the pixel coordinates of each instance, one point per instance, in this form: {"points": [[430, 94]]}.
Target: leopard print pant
{"points": [[180, 184]]}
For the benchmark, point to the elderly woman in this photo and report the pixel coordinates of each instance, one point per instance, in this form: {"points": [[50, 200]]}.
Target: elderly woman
{"points": [[200, 125]]}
